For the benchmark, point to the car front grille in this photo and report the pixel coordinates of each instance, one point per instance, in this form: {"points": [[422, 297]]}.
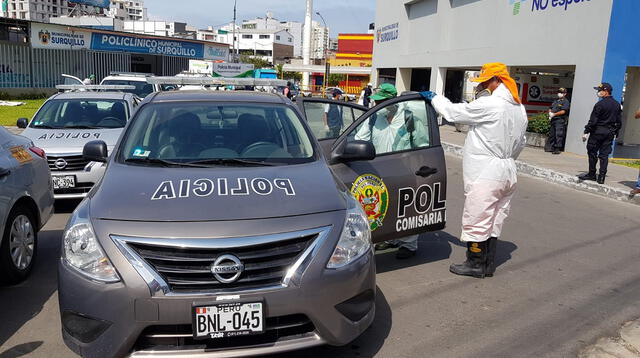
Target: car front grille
{"points": [[73, 162], [186, 269], [180, 337]]}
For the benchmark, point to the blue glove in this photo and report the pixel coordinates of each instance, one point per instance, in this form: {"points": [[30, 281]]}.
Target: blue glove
{"points": [[428, 95]]}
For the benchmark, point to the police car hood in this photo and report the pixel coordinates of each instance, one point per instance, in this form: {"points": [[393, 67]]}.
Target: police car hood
{"points": [[60, 141], [142, 193]]}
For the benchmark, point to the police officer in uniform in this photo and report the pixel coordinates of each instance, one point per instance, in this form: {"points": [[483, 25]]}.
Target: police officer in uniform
{"points": [[603, 127], [558, 113]]}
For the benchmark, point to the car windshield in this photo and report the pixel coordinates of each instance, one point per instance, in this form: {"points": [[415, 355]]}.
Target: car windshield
{"points": [[82, 113], [211, 134], [142, 89]]}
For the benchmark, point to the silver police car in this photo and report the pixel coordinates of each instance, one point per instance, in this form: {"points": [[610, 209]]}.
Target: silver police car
{"points": [[223, 228], [26, 204], [65, 123]]}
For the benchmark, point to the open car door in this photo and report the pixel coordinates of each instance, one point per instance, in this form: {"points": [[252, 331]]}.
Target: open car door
{"points": [[403, 189]]}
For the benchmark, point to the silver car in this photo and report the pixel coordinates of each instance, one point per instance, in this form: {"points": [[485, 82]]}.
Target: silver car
{"points": [[26, 204], [65, 123], [222, 228]]}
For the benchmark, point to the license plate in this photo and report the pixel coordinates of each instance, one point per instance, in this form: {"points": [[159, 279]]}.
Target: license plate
{"points": [[228, 320], [64, 182]]}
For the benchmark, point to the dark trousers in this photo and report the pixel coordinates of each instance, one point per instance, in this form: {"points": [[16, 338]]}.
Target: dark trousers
{"points": [[556, 135], [599, 147]]}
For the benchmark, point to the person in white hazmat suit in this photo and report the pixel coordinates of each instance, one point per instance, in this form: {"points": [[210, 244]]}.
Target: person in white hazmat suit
{"points": [[496, 137], [393, 129]]}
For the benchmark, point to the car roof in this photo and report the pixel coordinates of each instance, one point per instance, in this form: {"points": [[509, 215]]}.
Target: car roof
{"points": [[218, 96], [92, 95]]}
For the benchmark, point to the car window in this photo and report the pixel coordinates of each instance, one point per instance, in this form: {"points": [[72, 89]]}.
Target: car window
{"points": [[396, 127], [142, 89], [74, 113], [329, 120], [204, 131]]}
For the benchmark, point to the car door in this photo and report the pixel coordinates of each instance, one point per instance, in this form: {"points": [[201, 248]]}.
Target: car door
{"points": [[403, 189]]}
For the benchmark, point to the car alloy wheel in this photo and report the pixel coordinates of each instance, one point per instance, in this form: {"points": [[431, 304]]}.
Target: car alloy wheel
{"points": [[21, 242]]}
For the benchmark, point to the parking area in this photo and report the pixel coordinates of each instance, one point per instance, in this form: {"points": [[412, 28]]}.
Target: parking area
{"points": [[564, 279]]}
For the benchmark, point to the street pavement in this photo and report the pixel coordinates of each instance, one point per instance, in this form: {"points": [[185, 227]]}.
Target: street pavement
{"points": [[568, 274]]}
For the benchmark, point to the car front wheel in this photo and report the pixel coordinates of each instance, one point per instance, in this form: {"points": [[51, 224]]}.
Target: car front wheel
{"points": [[18, 249]]}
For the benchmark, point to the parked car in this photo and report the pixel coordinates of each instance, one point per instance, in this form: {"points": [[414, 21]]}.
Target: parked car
{"points": [[62, 126], [138, 80], [26, 204], [223, 227]]}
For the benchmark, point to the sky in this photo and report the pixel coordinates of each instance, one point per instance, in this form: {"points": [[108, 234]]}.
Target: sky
{"points": [[342, 16]]}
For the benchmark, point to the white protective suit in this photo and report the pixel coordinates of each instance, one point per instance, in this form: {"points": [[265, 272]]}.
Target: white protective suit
{"points": [[393, 136], [495, 139]]}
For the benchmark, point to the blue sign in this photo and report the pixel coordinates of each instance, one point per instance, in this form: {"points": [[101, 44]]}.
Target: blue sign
{"points": [[96, 3], [153, 46]]}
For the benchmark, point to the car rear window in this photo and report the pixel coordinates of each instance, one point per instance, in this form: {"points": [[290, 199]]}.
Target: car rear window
{"points": [[184, 132], [142, 89], [81, 113]]}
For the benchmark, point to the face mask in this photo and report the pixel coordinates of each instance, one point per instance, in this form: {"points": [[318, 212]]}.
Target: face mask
{"points": [[560, 95], [482, 92], [600, 94]]}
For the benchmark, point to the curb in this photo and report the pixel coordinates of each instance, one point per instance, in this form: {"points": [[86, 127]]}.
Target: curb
{"points": [[567, 180], [625, 345]]}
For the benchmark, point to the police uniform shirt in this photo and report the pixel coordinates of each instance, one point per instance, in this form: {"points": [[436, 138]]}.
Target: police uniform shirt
{"points": [[606, 117], [561, 104]]}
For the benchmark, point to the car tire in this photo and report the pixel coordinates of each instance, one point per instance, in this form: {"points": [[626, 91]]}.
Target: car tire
{"points": [[19, 246]]}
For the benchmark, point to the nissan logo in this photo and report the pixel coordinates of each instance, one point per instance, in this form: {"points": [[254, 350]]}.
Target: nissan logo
{"points": [[227, 268], [60, 163]]}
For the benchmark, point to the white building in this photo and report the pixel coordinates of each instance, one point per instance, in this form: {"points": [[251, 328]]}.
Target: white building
{"points": [[41, 10], [295, 28], [275, 46], [429, 44], [159, 28], [319, 41], [44, 10], [128, 10]]}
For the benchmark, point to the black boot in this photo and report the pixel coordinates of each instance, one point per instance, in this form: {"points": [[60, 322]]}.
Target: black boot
{"points": [[601, 178], [492, 244], [476, 264], [587, 176]]}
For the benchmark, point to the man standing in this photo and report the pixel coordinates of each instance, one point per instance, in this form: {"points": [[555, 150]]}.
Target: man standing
{"points": [[603, 126], [558, 113], [389, 131], [496, 137], [333, 121], [368, 91]]}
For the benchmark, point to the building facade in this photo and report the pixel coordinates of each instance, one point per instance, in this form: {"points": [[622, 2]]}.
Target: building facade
{"points": [[546, 43], [44, 10]]}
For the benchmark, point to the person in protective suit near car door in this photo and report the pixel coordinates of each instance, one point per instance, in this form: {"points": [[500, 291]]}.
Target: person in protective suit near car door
{"points": [[496, 137]]}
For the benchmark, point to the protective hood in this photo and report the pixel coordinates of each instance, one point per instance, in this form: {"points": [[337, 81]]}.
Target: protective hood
{"points": [[70, 140], [143, 193]]}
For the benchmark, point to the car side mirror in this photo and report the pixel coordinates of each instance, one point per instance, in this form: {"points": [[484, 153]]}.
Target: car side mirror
{"points": [[355, 150], [95, 151], [22, 123]]}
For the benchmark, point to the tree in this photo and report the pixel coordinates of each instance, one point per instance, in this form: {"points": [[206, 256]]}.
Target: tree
{"points": [[295, 76], [257, 62], [335, 79]]}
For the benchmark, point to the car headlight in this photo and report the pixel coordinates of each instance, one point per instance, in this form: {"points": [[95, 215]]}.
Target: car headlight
{"points": [[355, 239], [81, 250]]}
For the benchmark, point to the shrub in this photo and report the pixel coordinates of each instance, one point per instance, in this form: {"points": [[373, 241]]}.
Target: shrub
{"points": [[539, 123], [4, 96]]}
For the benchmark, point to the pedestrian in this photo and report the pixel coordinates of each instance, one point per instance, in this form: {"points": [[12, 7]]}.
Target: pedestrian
{"points": [[558, 113], [333, 120], [603, 126], [389, 131], [368, 91], [496, 137], [287, 91], [636, 190]]}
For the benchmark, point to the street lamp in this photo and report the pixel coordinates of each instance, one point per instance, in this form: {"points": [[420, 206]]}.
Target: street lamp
{"points": [[326, 59]]}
